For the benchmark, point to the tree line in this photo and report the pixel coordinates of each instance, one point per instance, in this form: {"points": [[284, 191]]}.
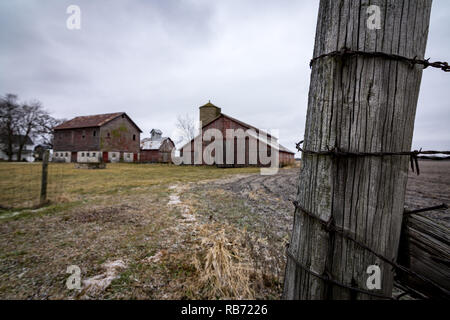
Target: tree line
{"points": [[20, 121]]}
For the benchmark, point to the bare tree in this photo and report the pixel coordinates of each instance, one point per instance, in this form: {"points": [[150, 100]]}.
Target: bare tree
{"points": [[187, 128], [20, 122], [45, 134], [29, 124], [9, 118]]}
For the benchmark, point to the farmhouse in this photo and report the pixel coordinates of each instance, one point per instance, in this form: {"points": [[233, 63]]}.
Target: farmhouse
{"points": [[16, 141], [111, 137], [156, 149], [213, 120]]}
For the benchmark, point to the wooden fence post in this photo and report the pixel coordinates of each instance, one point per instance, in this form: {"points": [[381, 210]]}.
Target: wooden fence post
{"points": [[357, 104], [43, 199]]}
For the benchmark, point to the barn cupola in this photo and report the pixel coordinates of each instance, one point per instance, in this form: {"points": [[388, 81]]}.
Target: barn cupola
{"points": [[155, 135], [209, 112]]}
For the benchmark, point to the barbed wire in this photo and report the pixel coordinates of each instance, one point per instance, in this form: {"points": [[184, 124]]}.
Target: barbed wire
{"points": [[330, 227], [327, 278], [440, 207], [347, 53], [337, 152]]}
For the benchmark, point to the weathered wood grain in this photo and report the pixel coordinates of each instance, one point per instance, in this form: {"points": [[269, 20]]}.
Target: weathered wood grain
{"points": [[425, 249], [359, 105]]}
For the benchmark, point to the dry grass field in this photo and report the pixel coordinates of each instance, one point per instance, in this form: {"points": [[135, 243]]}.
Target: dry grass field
{"points": [[157, 231], [140, 217], [20, 182]]}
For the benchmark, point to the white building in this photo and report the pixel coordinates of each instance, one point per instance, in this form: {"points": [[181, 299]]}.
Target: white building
{"points": [[27, 151]]}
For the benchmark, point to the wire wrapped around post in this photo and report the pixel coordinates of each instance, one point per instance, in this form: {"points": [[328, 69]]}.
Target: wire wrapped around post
{"points": [[336, 152], [347, 53], [329, 226]]}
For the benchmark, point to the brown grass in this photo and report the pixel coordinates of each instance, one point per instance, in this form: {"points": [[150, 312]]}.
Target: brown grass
{"points": [[122, 213], [20, 182], [223, 266]]}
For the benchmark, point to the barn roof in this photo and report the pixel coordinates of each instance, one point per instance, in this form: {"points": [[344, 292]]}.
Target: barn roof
{"points": [[248, 126], [271, 144], [156, 131], [97, 120], [209, 104]]}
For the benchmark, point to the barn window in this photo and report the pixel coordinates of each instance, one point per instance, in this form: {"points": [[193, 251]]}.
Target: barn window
{"points": [[128, 156], [66, 154], [108, 135], [82, 154], [123, 116], [56, 154], [95, 133], [113, 155], [83, 134], [87, 154], [134, 137]]}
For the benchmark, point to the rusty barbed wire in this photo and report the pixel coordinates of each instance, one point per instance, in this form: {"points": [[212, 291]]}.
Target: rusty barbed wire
{"points": [[327, 278], [330, 227], [409, 291], [347, 53], [336, 152], [440, 207]]}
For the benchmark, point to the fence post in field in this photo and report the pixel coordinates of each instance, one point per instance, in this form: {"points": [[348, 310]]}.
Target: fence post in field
{"points": [[43, 198], [365, 104]]}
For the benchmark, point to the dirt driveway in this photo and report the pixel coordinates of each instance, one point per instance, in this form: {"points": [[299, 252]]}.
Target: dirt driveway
{"points": [[270, 196], [263, 204]]}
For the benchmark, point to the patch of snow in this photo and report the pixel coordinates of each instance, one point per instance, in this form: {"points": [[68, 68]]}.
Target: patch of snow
{"points": [[22, 274], [155, 258], [10, 215], [102, 281], [174, 199], [188, 217]]}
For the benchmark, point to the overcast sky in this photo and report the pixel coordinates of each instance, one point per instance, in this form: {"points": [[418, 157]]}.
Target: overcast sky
{"points": [[159, 59]]}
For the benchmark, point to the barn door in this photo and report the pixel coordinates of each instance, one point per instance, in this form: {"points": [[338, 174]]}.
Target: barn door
{"points": [[105, 156], [73, 157]]}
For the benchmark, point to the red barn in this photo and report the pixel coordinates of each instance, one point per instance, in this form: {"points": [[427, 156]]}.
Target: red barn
{"points": [[211, 117], [111, 137], [156, 149]]}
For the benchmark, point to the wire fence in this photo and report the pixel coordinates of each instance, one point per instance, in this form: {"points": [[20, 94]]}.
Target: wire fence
{"points": [[330, 227], [20, 184], [335, 152]]}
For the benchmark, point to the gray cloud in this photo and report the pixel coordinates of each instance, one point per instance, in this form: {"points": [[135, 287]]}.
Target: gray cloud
{"points": [[158, 59]]}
